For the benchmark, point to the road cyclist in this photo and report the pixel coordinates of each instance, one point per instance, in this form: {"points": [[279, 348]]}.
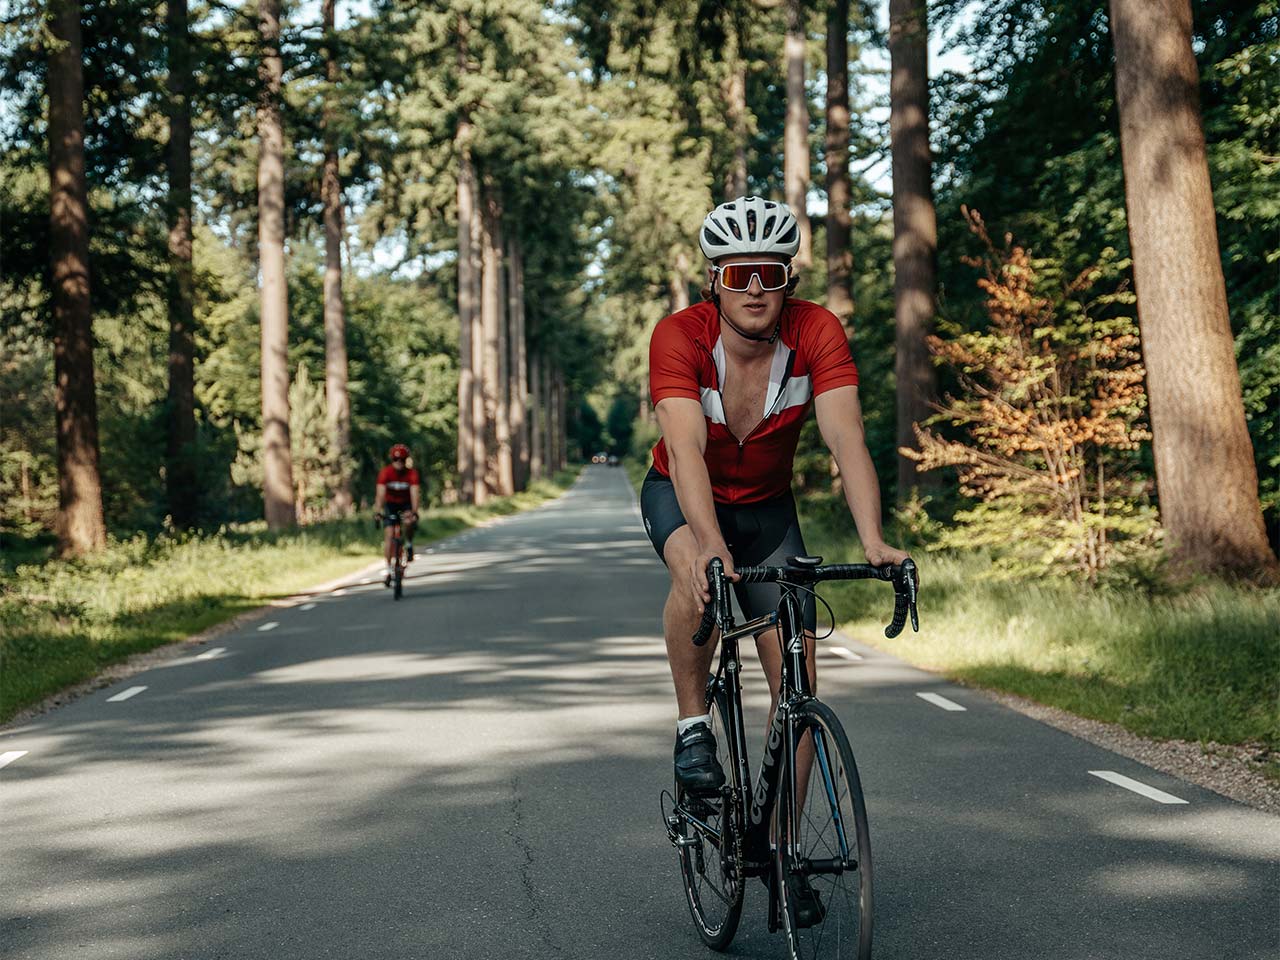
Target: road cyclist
{"points": [[395, 505], [732, 379]]}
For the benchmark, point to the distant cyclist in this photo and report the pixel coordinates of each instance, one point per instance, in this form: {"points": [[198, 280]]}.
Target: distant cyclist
{"points": [[398, 492], [732, 380]]}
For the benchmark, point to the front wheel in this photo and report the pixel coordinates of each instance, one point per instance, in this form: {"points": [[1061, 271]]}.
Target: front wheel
{"points": [[398, 577], [713, 884], [824, 846]]}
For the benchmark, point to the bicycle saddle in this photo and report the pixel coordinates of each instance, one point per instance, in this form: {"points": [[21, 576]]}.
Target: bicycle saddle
{"points": [[804, 562]]}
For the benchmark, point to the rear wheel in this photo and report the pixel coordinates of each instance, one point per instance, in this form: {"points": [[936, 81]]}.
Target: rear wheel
{"points": [[826, 844], [709, 865]]}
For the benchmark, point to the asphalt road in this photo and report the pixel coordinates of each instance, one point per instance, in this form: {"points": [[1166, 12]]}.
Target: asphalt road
{"points": [[474, 773]]}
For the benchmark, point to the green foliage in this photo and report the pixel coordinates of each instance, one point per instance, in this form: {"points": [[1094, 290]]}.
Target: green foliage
{"points": [[1030, 136], [1047, 422]]}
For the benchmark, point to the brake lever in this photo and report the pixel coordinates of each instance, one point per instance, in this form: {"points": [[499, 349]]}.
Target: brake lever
{"points": [[905, 590]]}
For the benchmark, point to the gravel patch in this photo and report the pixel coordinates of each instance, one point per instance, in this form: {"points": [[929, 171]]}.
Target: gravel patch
{"points": [[1234, 771]]}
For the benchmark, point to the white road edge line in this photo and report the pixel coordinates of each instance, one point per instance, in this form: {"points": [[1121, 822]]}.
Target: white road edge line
{"points": [[10, 756], [844, 653], [210, 654], [940, 701], [311, 606], [126, 694], [269, 625], [1137, 786]]}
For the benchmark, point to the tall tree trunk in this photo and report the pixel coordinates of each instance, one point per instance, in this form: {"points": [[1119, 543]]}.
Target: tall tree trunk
{"points": [[504, 464], [466, 289], [80, 524], [1205, 472], [839, 227], [479, 416], [519, 360], [796, 134], [277, 463], [553, 419], [562, 424], [915, 226], [181, 484], [679, 282], [735, 94], [337, 401], [491, 319], [537, 414]]}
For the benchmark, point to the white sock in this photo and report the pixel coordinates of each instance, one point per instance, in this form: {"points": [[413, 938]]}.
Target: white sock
{"points": [[687, 722]]}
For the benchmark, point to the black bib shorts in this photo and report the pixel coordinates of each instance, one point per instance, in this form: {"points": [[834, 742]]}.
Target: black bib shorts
{"points": [[763, 533]]}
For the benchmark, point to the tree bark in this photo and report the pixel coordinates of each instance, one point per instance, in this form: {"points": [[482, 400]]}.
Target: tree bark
{"points": [[679, 282], [839, 226], [735, 95], [80, 525], [277, 464], [1205, 472], [466, 285], [181, 483], [479, 417], [493, 315], [519, 389], [337, 401], [536, 415], [796, 133], [915, 226]]}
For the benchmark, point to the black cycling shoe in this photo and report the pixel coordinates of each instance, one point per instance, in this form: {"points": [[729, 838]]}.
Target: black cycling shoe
{"points": [[808, 905], [697, 769], [408, 553]]}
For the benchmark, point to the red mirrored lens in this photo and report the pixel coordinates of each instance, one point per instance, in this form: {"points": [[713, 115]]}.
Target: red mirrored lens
{"points": [[737, 276]]}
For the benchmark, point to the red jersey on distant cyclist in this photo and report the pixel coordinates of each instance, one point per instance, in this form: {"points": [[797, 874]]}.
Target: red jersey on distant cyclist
{"points": [[398, 483], [686, 359]]}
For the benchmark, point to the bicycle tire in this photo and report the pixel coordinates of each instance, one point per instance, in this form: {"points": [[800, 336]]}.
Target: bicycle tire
{"points": [[834, 797], [714, 898]]}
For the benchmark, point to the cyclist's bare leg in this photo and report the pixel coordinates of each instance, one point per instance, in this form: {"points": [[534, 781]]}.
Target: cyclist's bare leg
{"points": [[770, 653], [387, 553], [680, 618]]}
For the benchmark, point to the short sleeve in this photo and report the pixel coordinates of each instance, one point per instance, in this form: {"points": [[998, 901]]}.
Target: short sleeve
{"points": [[829, 360], [382, 476], [414, 480], [673, 363]]}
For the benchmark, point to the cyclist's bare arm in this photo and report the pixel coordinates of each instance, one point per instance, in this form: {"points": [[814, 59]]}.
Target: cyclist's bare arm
{"points": [[413, 499], [840, 422], [684, 428], [379, 497]]}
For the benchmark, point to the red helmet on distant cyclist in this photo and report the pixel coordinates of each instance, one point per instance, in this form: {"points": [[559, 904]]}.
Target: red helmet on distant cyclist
{"points": [[399, 452]]}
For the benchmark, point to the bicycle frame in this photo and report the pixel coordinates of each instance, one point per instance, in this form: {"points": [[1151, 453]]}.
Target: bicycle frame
{"points": [[754, 812]]}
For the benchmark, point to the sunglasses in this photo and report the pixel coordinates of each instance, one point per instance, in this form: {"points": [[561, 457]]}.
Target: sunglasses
{"points": [[770, 274]]}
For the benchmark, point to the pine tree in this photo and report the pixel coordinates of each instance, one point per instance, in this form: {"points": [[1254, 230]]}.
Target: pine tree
{"points": [[80, 523]]}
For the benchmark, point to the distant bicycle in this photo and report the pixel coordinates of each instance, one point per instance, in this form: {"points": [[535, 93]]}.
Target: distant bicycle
{"points": [[803, 827], [391, 518]]}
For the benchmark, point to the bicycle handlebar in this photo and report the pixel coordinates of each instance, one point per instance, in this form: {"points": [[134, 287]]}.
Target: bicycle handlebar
{"points": [[807, 570]]}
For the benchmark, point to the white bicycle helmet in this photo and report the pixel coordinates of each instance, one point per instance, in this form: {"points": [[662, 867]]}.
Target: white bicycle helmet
{"points": [[749, 225]]}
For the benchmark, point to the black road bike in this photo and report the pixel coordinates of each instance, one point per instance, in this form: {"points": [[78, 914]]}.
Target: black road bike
{"points": [[391, 518], [802, 826]]}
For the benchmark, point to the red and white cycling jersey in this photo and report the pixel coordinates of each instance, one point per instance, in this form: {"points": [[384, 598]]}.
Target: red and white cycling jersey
{"points": [[686, 359], [398, 483]]}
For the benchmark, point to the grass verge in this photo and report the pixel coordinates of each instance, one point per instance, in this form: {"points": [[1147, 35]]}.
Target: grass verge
{"points": [[1199, 663], [61, 622]]}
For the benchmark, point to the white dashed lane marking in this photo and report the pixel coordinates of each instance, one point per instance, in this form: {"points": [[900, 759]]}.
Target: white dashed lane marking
{"points": [[1137, 786], [210, 654], [10, 756], [125, 694], [940, 701], [312, 606], [269, 625], [845, 653]]}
